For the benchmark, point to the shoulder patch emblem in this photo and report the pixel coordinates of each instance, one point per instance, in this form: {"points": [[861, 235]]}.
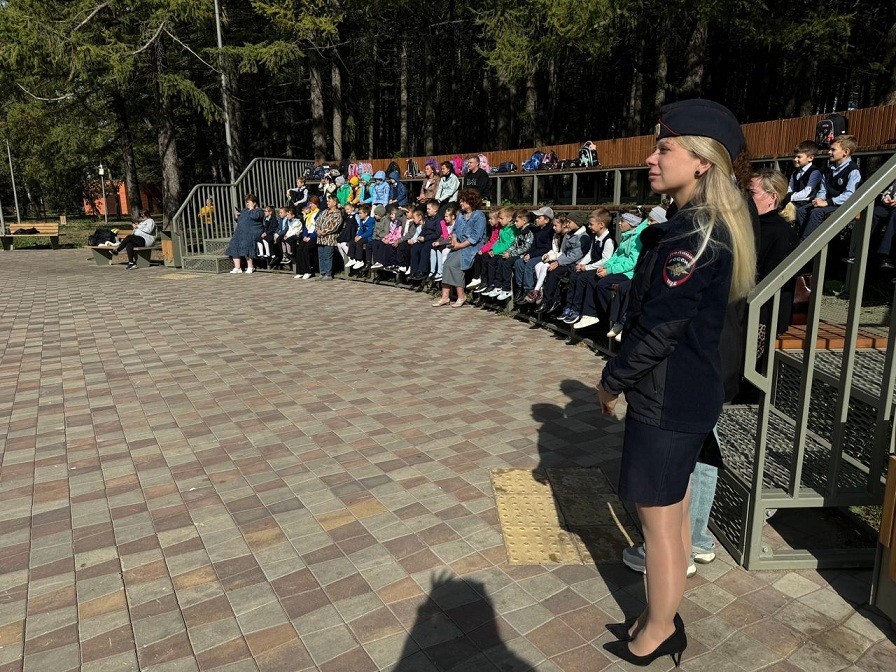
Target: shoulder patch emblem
{"points": [[678, 267]]}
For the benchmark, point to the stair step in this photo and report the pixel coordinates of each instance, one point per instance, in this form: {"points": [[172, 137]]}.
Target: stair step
{"points": [[216, 247]]}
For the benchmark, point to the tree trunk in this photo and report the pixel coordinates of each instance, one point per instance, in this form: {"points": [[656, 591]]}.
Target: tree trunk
{"points": [[694, 72], [636, 93], [336, 93], [505, 98], [171, 194], [530, 126], [403, 97], [662, 75], [126, 140], [887, 95], [318, 126], [430, 93]]}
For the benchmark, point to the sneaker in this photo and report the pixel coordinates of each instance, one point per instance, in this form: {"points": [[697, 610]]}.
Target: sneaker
{"points": [[572, 318], [305, 276], [297, 276], [849, 260], [492, 293], [375, 266], [403, 269], [503, 295], [635, 558], [562, 316], [475, 282], [130, 266], [326, 277], [703, 557], [235, 270], [618, 337], [482, 289], [887, 265], [586, 321], [251, 269], [437, 277]]}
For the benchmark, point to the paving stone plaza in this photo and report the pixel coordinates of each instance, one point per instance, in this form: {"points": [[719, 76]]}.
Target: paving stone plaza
{"points": [[241, 473]]}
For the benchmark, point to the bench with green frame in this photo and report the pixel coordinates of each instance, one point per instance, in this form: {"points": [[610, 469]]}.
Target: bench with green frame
{"points": [[50, 231]]}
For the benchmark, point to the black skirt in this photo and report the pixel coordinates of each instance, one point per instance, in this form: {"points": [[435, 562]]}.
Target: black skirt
{"points": [[656, 463]]}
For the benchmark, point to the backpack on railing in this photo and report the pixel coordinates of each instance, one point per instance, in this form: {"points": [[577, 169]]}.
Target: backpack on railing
{"points": [[352, 171], [588, 155], [534, 162], [829, 128], [549, 161], [393, 167], [566, 164], [506, 167], [412, 170], [365, 167]]}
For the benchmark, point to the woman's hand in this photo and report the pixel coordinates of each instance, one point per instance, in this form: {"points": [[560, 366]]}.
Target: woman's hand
{"points": [[553, 266], [357, 238], [607, 400]]}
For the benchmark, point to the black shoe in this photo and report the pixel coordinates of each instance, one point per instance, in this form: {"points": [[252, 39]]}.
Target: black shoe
{"points": [[131, 266], [887, 265], [849, 260], [115, 252], [674, 646], [552, 308], [620, 630], [519, 298]]}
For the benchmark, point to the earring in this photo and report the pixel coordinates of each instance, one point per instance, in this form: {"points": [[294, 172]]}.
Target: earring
{"points": [[697, 174]]}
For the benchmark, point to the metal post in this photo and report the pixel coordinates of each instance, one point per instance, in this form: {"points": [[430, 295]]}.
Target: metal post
{"points": [[12, 176], [617, 186], [2, 221], [227, 136], [105, 204]]}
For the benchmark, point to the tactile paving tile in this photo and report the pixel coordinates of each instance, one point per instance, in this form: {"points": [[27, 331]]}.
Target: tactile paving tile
{"points": [[533, 545], [563, 516], [523, 481]]}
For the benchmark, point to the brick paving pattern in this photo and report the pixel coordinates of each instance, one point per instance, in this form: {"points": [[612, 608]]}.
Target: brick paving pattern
{"points": [[260, 473]]}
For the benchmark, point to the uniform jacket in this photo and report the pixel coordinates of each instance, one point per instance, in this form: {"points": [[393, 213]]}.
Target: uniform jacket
{"points": [[365, 228], [669, 364], [541, 241], [432, 229]]}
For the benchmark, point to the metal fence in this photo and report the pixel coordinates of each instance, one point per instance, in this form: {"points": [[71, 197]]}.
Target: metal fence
{"points": [[824, 424], [207, 212]]}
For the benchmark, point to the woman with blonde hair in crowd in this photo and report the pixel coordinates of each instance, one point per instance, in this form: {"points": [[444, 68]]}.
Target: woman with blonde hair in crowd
{"points": [[668, 365]]}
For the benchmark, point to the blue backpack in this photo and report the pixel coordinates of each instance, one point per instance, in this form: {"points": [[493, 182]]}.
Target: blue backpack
{"points": [[534, 163]]}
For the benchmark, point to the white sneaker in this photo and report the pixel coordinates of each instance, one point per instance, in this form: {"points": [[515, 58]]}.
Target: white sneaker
{"points": [[475, 282], [297, 276], [376, 266], [356, 264], [586, 321], [236, 270], [403, 269], [618, 337], [503, 295], [703, 557], [492, 294], [437, 276], [251, 269], [635, 558], [305, 276]]}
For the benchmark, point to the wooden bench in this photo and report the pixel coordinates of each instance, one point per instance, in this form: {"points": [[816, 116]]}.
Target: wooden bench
{"points": [[104, 255], [50, 231]]}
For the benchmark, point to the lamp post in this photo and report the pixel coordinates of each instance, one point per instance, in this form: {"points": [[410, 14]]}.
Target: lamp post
{"points": [[227, 137], [105, 205], [12, 176]]}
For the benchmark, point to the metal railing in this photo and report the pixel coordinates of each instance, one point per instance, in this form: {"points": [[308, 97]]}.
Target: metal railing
{"points": [[824, 423], [266, 178]]}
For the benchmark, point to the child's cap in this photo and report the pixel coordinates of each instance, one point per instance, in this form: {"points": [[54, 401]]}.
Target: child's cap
{"points": [[379, 211], [353, 181], [631, 219], [544, 212], [340, 180], [658, 215]]}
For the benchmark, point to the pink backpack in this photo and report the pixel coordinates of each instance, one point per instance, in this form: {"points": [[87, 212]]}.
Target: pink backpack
{"points": [[352, 170], [458, 165], [365, 168]]}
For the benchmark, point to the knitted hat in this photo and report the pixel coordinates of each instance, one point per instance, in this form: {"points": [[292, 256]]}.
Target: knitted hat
{"points": [[631, 219], [658, 215]]}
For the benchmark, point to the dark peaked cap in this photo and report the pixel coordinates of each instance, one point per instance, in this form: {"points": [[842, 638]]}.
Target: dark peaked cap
{"points": [[702, 117]]}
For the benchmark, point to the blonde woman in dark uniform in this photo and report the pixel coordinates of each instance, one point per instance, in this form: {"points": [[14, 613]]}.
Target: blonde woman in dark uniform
{"points": [[668, 366]]}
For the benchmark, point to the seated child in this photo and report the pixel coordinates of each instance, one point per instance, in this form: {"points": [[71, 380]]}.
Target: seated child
{"points": [[541, 268], [429, 233], [574, 245], [381, 227], [412, 228], [885, 225], [618, 268], [384, 248], [491, 236], [838, 183], [602, 248], [357, 246], [440, 247], [492, 251], [277, 245], [349, 230], [270, 224], [804, 181], [522, 241]]}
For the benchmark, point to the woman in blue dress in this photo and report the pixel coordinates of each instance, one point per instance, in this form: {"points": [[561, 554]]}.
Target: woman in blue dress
{"points": [[249, 226]]}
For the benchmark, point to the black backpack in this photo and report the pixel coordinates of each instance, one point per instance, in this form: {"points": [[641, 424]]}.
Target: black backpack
{"points": [[393, 168], [101, 236], [829, 128]]}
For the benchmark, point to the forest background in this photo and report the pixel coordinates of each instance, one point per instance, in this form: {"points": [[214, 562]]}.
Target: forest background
{"points": [[136, 84]]}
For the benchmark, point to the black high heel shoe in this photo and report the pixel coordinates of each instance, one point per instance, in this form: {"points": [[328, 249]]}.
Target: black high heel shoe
{"points": [[674, 645], [620, 630]]}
